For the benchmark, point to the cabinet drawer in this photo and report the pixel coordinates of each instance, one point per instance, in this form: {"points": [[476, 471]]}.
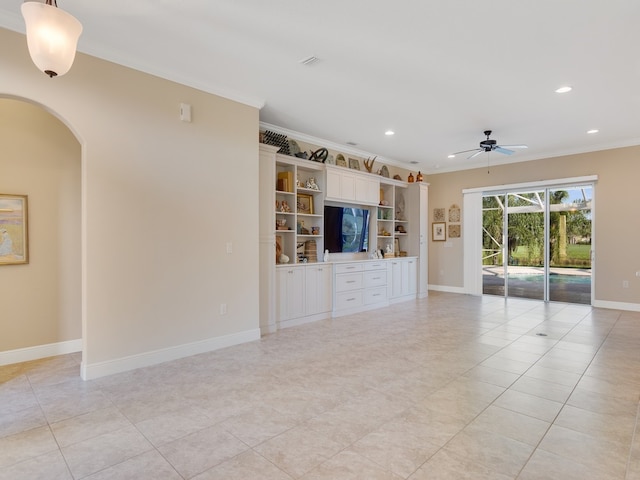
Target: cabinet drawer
{"points": [[375, 266], [348, 281], [375, 295], [376, 278], [348, 267], [349, 300]]}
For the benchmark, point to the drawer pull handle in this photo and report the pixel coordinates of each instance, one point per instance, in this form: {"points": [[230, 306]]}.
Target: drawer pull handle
{"points": [[351, 281], [375, 278], [376, 294], [350, 299]]}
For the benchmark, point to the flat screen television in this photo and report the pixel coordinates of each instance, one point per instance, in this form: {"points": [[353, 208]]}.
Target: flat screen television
{"points": [[346, 229]]}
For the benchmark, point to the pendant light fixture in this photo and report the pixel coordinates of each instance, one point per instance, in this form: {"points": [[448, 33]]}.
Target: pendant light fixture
{"points": [[52, 36]]}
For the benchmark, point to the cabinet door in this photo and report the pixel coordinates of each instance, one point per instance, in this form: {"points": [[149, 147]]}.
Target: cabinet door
{"points": [[367, 190], [318, 289], [291, 293], [396, 278], [333, 184], [412, 276]]}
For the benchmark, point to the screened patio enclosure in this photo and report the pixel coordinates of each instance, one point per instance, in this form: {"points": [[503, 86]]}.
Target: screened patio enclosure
{"points": [[536, 243]]}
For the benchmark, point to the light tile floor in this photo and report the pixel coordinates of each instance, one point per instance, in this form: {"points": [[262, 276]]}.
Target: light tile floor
{"points": [[450, 387]]}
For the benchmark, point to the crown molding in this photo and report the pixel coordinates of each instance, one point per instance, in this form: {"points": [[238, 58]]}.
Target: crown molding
{"points": [[329, 144]]}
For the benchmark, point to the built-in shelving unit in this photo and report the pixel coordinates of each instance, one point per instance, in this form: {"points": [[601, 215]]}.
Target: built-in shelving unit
{"points": [[392, 219], [300, 287], [299, 210]]}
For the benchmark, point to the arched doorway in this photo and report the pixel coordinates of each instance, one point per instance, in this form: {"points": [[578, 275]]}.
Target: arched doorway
{"points": [[40, 157]]}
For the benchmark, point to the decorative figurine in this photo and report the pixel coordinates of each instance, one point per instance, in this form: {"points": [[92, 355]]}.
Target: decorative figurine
{"points": [[419, 177], [326, 255], [285, 208], [311, 184], [410, 179]]}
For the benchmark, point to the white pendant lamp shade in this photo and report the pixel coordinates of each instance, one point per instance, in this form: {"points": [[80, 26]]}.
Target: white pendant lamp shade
{"points": [[52, 37]]}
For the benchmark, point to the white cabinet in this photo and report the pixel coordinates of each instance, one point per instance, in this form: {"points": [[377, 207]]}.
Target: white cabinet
{"points": [[348, 186], [304, 293], [418, 197], [403, 273], [367, 190], [375, 283], [360, 286], [290, 288], [318, 289], [348, 284]]}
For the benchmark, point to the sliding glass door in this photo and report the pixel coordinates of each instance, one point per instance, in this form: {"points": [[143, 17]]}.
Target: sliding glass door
{"points": [[537, 244], [570, 227]]}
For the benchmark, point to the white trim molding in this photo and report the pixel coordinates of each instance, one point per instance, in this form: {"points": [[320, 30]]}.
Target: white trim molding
{"points": [[40, 351], [448, 289], [631, 307], [147, 359]]}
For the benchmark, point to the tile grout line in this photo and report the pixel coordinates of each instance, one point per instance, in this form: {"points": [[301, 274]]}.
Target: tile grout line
{"points": [[552, 423]]}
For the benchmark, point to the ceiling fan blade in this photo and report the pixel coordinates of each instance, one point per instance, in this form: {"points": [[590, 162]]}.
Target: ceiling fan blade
{"points": [[475, 154], [466, 151], [504, 150], [514, 146]]}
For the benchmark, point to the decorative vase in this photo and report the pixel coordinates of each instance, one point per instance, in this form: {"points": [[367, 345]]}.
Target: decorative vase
{"points": [[410, 179]]}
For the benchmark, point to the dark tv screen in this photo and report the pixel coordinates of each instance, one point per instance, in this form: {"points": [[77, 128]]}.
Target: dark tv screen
{"points": [[346, 229]]}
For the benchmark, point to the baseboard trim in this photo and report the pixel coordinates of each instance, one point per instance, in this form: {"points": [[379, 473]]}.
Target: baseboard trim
{"points": [[40, 351], [445, 288], [632, 307], [147, 359]]}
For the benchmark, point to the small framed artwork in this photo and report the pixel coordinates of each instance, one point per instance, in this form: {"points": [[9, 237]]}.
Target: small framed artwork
{"points": [[454, 213], [14, 241], [305, 204], [438, 214], [438, 233], [454, 231]]}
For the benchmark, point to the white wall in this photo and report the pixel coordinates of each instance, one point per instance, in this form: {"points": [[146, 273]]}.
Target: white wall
{"points": [[161, 198]]}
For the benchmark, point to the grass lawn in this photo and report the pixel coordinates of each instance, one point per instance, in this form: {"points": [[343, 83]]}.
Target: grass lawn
{"points": [[577, 256]]}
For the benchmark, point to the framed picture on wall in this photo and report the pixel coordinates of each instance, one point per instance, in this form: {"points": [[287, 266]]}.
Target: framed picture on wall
{"points": [[305, 204], [14, 241], [438, 232]]}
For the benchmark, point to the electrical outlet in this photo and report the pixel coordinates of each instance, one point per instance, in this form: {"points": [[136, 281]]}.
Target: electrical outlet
{"points": [[223, 309], [625, 284], [229, 247]]}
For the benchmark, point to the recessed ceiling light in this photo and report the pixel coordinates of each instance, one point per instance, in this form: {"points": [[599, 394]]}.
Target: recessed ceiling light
{"points": [[564, 89], [388, 133], [353, 144], [414, 162], [593, 130], [451, 156]]}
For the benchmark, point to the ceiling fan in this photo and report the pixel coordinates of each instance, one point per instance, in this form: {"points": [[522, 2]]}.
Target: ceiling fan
{"points": [[490, 145]]}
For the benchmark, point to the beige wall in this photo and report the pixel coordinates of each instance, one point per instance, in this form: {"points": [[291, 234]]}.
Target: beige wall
{"points": [[161, 198], [39, 157], [617, 228]]}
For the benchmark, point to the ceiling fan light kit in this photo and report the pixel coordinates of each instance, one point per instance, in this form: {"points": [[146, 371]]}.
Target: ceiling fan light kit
{"points": [[52, 36]]}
